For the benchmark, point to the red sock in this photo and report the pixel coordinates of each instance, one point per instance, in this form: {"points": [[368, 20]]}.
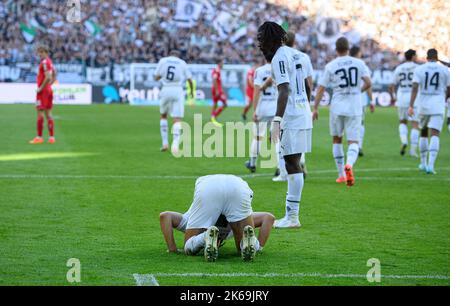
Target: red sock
{"points": [[218, 111], [51, 127], [40, 126]]}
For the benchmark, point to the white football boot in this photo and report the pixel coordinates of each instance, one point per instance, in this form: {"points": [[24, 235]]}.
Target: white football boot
{"points": [[249, 244], [211, 246], [287, 222]]}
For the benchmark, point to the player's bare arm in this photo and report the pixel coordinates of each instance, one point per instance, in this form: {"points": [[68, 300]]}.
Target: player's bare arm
{"points": [[415, 90], [157, 77], [48, 79], [309, 84], [392, 90], [267, 84], [367, 84], [283, 96], [169, 220], [317, 99], [191, 88]]}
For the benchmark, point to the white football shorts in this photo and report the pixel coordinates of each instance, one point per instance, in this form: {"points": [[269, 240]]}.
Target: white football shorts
{"points": [[350, 124], [172, 101], [403, 114], [431, 121], [295, 141], [217, 195]]}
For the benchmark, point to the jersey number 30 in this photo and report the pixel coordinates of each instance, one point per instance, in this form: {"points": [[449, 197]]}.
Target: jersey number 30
{"points": [[349, 76]]}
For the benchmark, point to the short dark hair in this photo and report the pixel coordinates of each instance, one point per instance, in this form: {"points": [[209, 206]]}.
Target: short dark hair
{"points": [[290, 39], [410, 54], [271, 36], [174, 52], [432, 54], [342, 45], [354, 51]]}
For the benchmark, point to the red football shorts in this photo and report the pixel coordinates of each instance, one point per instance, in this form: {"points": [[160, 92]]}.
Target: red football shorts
{"points": [[219, 98], [44, 100]]}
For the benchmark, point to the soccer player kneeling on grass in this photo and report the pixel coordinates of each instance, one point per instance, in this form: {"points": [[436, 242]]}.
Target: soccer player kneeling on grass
{"points": [[170, 220], [344, 75], [217, 195], [431, 86], [292, 125]]}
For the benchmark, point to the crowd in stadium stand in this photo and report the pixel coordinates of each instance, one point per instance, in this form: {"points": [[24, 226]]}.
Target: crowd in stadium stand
{"points": [[144, 30]]}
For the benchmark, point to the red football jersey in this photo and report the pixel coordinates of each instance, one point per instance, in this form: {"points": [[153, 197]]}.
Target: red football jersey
{"points": [[44, 66], [216, 75], [250, 88]]}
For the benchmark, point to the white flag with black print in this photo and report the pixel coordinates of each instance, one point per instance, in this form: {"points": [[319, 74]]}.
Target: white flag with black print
{"points": [[188, 12]]}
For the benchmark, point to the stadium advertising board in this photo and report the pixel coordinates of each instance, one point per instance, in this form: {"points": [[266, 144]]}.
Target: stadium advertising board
{"points": [[65, 94]]}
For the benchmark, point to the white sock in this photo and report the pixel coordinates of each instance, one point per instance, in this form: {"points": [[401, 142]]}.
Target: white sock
{"points": [[281, 162], [403, 130], [195, 244], [164, 126], [361, 139], [414, 138], [423, 145], [352, 154], [176, 131], [295, 187], [254, 152], [257, 245], [434, 150], [338, 154]]}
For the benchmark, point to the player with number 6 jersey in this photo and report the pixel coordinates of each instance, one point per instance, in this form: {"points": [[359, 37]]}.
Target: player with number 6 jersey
{"points": [[173, 73], [431, 88], [344, 75]]}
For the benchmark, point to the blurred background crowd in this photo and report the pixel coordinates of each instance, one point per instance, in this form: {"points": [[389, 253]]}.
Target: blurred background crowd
{"points": [[125, 31]]}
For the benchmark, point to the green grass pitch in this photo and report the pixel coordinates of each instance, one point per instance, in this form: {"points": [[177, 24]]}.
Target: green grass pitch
{"points": [[96, 195]]}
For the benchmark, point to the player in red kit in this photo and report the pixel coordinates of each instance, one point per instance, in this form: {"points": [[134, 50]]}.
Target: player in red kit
{"points": [[249, 92], [218, 95], [44, 100]]}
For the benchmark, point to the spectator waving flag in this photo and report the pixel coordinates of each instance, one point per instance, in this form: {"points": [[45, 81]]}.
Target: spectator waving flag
{"points": [[92, 27], [28, 33], [188, 13]]}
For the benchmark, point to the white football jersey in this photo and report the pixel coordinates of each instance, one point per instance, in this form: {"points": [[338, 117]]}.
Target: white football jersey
{"points": [[344, 76], [267, 104], [292, 66], [433, 79], [403, 78], [173, 71]]}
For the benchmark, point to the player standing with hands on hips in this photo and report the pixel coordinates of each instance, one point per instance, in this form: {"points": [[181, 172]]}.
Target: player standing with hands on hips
{"points": [[292, 125], [44, 95]]}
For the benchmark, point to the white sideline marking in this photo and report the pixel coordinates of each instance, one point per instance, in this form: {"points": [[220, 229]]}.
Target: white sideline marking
{"points": [[298, 275], [145, 280]]}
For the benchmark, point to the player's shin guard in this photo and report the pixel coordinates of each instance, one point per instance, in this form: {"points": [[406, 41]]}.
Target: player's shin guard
{"points": [[338, 154], [51, 127], [195, 244], [414, 138], [423, 146], [40, 126], [352, 154], [434, 150], [295, 188], [164, 126], [403, 130]]}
